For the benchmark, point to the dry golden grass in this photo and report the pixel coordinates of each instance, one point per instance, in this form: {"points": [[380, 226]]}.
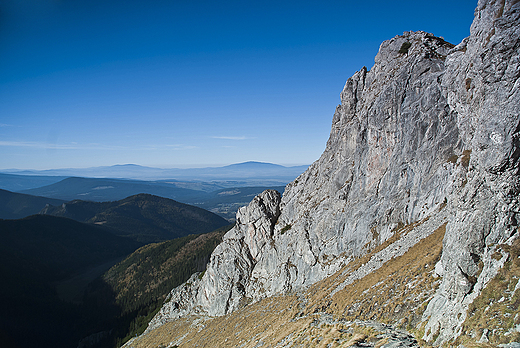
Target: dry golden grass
{"points": [[396, 291], [496, 309]]}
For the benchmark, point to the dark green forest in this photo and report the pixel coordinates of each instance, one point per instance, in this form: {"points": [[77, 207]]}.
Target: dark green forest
{"points": [[138, 285], [17, 205], [37, 253], [93, 274]]}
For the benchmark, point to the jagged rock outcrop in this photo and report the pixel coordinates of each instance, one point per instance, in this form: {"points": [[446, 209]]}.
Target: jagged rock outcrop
{"points": [[222, 288], [431, 127]]}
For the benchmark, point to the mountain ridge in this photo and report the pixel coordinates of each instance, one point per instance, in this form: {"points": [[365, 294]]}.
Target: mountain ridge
{"points": [[236, 171], [15, 182], [108, 189], [18, 205], [142, 217], [217, 198]]}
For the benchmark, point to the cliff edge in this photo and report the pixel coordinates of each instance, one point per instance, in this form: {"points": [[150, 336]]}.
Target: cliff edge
{"points": [[426, 140]]}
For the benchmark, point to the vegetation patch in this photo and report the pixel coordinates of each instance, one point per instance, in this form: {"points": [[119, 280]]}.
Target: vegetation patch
{"points": [[405, 47], [495, 313], [466, 156], [397, 292], [286, 228], [139, 284], [453, 159], [468, 83], [266, 323]]}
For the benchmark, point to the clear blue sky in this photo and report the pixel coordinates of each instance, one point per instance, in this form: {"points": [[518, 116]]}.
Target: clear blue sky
{"points": [[188, 83]]}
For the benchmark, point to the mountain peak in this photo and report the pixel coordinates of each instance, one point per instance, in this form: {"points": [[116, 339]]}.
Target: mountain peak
{"points": [[254, 164], [128, 165]]}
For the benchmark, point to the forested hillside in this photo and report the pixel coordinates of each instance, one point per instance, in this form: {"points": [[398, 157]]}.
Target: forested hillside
{"points": [[138, 285], [18, 205], [143, 217]]}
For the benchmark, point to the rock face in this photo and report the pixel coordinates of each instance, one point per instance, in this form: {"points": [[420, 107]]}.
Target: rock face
{"points": [[481, 84], [431, 127], [223, 287]]}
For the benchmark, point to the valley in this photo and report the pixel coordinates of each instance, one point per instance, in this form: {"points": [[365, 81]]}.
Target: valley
{"points": [[104, 264], [81, 269]]}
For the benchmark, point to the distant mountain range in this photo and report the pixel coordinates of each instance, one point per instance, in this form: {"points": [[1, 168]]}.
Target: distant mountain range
{"points": [[223, 201], [221, 190], [16, 182], [248, 171], [101, 190]]}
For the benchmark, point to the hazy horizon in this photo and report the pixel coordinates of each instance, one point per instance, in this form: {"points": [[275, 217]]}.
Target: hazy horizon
{"points": [[173, 84], [194, 166]]}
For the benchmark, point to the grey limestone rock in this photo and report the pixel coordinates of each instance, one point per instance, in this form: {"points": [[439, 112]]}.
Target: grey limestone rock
{"points": [[431, 130], [482, 87], [222, 287]]}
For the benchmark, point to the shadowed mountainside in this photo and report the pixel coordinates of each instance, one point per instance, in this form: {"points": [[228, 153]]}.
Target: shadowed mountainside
{"points": [[57, 288], [138, 285], [18, 205], [37, 252], [143, 217]]}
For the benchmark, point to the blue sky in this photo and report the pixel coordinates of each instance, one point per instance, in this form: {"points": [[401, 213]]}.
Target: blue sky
{"points": [[188, 83]]}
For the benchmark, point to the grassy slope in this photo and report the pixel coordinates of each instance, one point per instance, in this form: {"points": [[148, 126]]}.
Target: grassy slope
{"points": [[298, 318], [397, 293], [496, 311]]}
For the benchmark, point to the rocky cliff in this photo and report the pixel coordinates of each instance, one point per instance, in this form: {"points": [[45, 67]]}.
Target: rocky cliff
{"points": [[427, 140]]}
